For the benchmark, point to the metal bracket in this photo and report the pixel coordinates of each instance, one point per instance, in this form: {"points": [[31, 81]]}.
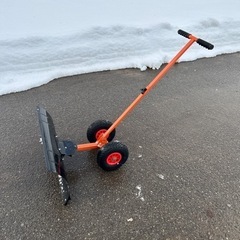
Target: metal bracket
{"points": [[67, 147], [143, 90]]}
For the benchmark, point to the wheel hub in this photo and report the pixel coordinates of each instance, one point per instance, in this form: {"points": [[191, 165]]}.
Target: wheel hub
{"points": [[100, 133], [114, 158]]}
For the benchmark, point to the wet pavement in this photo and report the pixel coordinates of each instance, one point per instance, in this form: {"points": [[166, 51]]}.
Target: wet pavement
{"points": [[182, 178]]}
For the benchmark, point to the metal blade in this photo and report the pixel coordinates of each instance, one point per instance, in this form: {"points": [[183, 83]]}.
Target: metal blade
{"points": [[53, 156]]}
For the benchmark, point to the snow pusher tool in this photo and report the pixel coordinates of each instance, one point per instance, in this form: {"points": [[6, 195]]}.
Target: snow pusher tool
{"points": [[111, 154]]}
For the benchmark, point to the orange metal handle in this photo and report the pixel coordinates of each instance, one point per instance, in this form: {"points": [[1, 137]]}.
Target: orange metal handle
{"points": [[148, 88], [103, 139]]}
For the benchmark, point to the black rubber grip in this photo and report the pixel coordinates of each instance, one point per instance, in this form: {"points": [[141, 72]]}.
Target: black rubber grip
{"points": [[205, 44], [201, 42], [183, 33]]}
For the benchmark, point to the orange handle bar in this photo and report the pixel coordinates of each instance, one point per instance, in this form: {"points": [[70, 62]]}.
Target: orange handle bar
{"points": [[103, 139]]}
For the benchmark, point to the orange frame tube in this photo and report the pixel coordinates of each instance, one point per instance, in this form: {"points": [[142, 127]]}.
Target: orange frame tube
{"points": [[103, 139]]}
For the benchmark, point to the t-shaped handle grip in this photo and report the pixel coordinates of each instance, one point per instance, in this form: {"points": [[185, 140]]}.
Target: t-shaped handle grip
{"points": [[200, 41]]}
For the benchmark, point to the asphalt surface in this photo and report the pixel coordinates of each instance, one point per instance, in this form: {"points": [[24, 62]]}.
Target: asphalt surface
{"points": [[182, 178]]}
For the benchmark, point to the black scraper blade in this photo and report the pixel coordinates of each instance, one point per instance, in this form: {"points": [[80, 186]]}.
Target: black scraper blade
{"points": [[53, 157]]}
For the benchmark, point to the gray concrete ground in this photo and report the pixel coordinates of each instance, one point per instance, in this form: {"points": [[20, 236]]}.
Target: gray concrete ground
{"points": [[182, 178]]}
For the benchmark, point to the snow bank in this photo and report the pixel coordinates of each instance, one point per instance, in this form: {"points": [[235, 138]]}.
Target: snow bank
{"points": [[42, 40]]}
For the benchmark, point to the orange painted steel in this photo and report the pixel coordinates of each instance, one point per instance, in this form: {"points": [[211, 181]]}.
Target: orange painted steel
{"points": [[87, 146], [103, 139], [91, 146]]}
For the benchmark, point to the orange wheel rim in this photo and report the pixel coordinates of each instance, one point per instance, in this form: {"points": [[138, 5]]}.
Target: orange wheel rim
{"points": [[100, 133], [114, 158]]}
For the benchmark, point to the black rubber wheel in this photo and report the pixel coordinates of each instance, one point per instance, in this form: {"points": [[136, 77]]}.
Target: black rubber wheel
{"points": [[112, 156], [97, 128]]}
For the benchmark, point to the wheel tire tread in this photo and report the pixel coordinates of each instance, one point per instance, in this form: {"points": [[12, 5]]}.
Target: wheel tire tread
{"points": [[94, 127], [107, 150]]}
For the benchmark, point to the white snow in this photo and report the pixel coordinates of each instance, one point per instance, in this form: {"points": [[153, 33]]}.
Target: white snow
{"points": [[130, 219], [139, 193], [41, 40], [160, 176]]}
